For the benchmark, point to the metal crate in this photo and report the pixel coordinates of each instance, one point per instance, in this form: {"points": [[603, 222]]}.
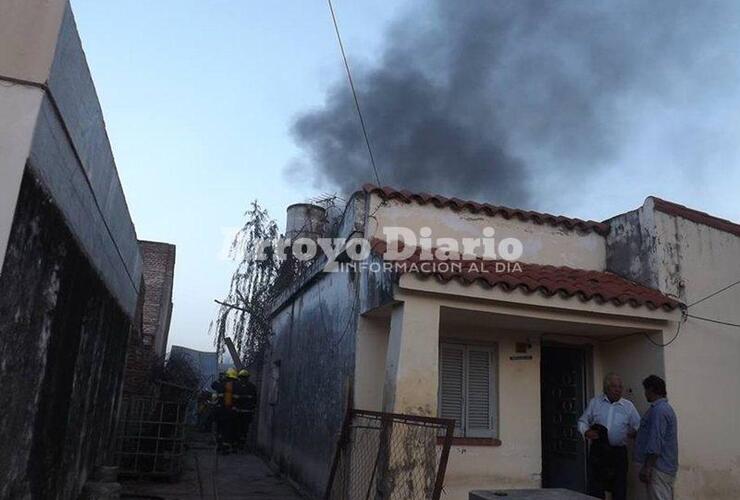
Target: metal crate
{"points": [[150, 438]]}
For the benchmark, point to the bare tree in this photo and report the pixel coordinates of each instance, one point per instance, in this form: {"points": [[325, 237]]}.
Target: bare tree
{"points": [[244, 313]]}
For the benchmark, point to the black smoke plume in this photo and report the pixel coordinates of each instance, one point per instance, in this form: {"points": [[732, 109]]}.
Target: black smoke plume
{"points": [[505, 100]]}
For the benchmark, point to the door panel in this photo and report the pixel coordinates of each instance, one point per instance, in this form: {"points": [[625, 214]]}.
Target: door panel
{"points": [[563, 379]]}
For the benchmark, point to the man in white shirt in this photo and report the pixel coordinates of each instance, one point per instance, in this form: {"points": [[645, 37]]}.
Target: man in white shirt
{"points": [[621, 420]]}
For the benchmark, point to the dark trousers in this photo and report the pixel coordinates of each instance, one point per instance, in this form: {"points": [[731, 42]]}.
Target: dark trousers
{"points": [[597, 484], [225, 426], [243, 419]]}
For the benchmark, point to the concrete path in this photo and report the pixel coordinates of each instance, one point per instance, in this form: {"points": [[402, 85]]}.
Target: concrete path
{"points": [[208, 476]]}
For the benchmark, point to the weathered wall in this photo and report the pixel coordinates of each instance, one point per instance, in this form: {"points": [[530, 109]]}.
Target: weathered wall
{"points": [[28, 36], [517, 462], [632, 250], [699, 260], [140, 363], [70, 277], [71, 156], [62, 348], [19, 107], [372, 349], [543, 244], [690, 261], [313, 343], [159, 268]]}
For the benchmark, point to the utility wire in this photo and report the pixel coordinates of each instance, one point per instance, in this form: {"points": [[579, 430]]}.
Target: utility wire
{"points": [[354, 92], [714, 321], [678, 331], [701, 318], [715, 293], [687, 315]]}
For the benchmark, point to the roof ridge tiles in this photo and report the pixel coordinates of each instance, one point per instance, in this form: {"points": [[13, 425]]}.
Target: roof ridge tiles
{"points": [[697, 216], [440, 201]]}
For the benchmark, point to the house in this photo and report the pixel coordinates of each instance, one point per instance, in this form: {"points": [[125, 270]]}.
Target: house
{"points": [[70, 266], [512, 349]]}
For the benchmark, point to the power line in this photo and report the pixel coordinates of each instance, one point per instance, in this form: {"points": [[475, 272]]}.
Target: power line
{"points": [[701, 318], [678, 331], [715, 293], [354, 92], [714, 321], [687, 315]]}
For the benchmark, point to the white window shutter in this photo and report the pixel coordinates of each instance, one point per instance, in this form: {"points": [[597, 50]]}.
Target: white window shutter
{"points": [[452, 384], [480, 392]]}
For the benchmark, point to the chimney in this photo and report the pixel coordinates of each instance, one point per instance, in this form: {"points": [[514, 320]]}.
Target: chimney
{"points": [[305, 220]]}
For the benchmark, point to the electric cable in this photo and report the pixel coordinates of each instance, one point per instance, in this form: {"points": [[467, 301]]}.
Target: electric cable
{"points": [[719, 322], [715, 293], [686, 315], [354, 92], [678, 331]]}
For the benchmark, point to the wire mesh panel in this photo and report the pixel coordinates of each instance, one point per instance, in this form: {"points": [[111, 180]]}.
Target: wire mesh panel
{"points": [[151, 437], [390, 456]]}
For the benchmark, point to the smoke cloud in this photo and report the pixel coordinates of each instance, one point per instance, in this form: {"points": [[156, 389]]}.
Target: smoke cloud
{"points": [[505, 100]]}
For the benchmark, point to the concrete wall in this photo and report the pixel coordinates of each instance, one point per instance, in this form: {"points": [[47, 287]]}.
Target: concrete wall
{"points": [[71, 156], [51, 122], [690, 261], [62, 348], [370, 356], [504, 319], [517, 461], [543, 244], [28, 35], [70, 268], [699, 260], [308, 377]]}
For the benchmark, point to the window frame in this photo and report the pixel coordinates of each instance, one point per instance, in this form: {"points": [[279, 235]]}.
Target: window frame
{"points": [[463, 430]]}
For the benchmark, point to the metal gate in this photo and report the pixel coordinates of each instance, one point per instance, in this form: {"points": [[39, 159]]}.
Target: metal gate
{"points": [[390, 456], [150, 439]]}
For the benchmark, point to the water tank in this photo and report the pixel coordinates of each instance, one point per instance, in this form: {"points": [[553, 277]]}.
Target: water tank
{"points": [[305, 220]]}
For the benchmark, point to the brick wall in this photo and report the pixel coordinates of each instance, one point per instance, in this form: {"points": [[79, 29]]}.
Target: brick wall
{"points": [[159, 267]]}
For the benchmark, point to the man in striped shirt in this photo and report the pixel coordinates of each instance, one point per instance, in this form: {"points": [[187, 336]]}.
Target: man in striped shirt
{"points": [[621, 420]]}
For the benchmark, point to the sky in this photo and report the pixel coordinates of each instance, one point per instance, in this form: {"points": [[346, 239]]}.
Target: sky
{"points": [[198, 98], [211, 104]]}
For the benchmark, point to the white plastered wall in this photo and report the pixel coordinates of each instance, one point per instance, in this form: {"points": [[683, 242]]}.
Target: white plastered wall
{"points": [[517, 461], [370, 357], [702, 365], [542, 243], [19, 108]]}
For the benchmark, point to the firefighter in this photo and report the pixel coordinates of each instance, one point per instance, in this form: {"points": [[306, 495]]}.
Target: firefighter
{"points": [[226, 389], [246, 402]]}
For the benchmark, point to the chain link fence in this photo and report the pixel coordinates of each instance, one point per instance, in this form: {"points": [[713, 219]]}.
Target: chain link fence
{"points": [[390, 456]]}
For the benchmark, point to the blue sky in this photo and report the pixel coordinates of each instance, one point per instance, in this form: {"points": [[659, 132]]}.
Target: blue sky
{"points": [[199, 97]]}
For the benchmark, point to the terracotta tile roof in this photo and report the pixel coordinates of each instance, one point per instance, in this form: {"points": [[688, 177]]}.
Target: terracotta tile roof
{"points": [[600, 286], [704, 218], [438, 201]]}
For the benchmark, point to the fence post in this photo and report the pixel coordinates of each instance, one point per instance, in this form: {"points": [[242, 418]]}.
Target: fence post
{"points": [[343, 438], [443, 460]]}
